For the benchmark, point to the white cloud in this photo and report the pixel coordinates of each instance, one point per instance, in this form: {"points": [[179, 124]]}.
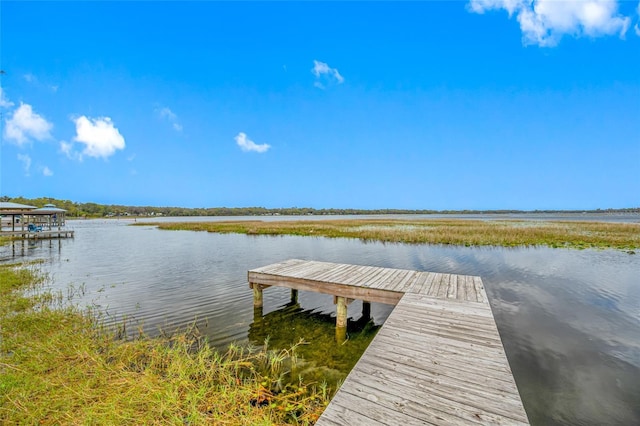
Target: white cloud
{"points": [[30, 78], [168, 115], [544, 22], [46, 171], [26, 163], [4, 101], [325, 74], [247, 145], [24, 125], [100, 137]]}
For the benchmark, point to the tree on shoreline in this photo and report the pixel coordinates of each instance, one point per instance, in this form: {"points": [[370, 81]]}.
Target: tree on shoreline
{"points": [[76, 209]]}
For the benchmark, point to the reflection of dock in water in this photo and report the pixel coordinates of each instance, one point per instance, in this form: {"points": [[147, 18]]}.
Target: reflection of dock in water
{"points": [[292, 317], [290, 323], [438, 358]]}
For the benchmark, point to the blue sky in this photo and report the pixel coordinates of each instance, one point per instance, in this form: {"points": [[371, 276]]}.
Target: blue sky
{"points": [[487, 104]]}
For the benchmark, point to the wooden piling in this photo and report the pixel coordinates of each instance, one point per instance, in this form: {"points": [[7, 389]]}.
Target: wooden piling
{"points": [[257, 296]]}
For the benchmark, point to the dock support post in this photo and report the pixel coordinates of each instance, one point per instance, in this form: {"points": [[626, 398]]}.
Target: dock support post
{"points": [[257, 295], [294, 296], [341, 311], [366, 309], [341, 318]]}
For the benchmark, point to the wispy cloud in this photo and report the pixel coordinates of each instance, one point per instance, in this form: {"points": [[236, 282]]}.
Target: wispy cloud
{"points": [[46, 171], [4, 101], [35, 81], [636, 28], [168, 115], [26, 163], [99, 136], [325, 75], [545, 22], [248, 145], [25, 125], [67, 149]]}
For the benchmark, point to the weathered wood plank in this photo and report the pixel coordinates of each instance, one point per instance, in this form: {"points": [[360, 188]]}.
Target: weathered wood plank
{"points": [[403, 394], [429, 369], [426, 285], [407, 281], [481, 296], [471, 308], [382, 278], [461, 290], [383, 284], [452, 324], [343, 274], [453, 397], [452, 291], [371, 277], [453, 358], [376, 413], [356, 276], [331, 270], [444, 286]]}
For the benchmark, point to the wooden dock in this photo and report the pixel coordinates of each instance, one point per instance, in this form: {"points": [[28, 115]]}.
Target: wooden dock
{"points": [[26, 235], [437, 360]]}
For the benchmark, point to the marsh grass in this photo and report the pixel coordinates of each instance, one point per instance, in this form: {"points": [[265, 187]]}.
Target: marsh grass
{"points": [[59, 365], [508, 233]]}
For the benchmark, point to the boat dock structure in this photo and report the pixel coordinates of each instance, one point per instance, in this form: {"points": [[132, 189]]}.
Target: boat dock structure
{"points": [[20, 221], [437, 360]]}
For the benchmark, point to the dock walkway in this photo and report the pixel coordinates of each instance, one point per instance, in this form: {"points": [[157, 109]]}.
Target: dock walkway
{"points": [[438, 358], [35, 235]]}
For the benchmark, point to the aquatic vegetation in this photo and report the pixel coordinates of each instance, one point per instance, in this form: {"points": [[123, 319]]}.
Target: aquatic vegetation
{"points": [[507, 233], [60, 365]]}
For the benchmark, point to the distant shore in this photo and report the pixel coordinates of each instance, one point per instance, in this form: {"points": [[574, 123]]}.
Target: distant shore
{"points": [[95, 210]]}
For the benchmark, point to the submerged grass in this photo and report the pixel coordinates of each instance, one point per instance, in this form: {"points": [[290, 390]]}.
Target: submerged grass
{"points": [[623, 236], [58, 365]]}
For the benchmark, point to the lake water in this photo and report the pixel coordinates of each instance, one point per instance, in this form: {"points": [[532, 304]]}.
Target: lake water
{"points": [[569, 319]]}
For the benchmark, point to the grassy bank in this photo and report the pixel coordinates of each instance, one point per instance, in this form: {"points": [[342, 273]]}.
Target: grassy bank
{"points": [[624, 236], [59, 366]]}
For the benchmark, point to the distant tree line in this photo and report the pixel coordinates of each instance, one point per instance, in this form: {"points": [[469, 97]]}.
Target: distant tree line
{"points": [[107, 210]]}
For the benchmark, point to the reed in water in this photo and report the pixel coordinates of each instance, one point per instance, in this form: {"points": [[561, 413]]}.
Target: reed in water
{"points": [[504, 233]]}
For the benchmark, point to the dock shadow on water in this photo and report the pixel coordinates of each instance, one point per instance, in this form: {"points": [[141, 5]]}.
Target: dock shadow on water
{"points": [[322, 356]]}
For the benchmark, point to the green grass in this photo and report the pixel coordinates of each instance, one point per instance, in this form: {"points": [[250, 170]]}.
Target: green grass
{"points": [[623, 236], [59, 365]]}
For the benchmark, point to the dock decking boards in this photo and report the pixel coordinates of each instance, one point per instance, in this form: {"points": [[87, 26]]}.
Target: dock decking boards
{"points": [[438, 359], [37, 235]]}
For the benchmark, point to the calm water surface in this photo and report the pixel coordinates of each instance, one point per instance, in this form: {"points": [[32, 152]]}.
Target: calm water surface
{"points": [[569, 319]]}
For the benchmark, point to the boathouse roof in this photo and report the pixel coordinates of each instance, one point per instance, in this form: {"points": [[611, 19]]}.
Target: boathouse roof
{"points": [[5, 205], [50, 208]]}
